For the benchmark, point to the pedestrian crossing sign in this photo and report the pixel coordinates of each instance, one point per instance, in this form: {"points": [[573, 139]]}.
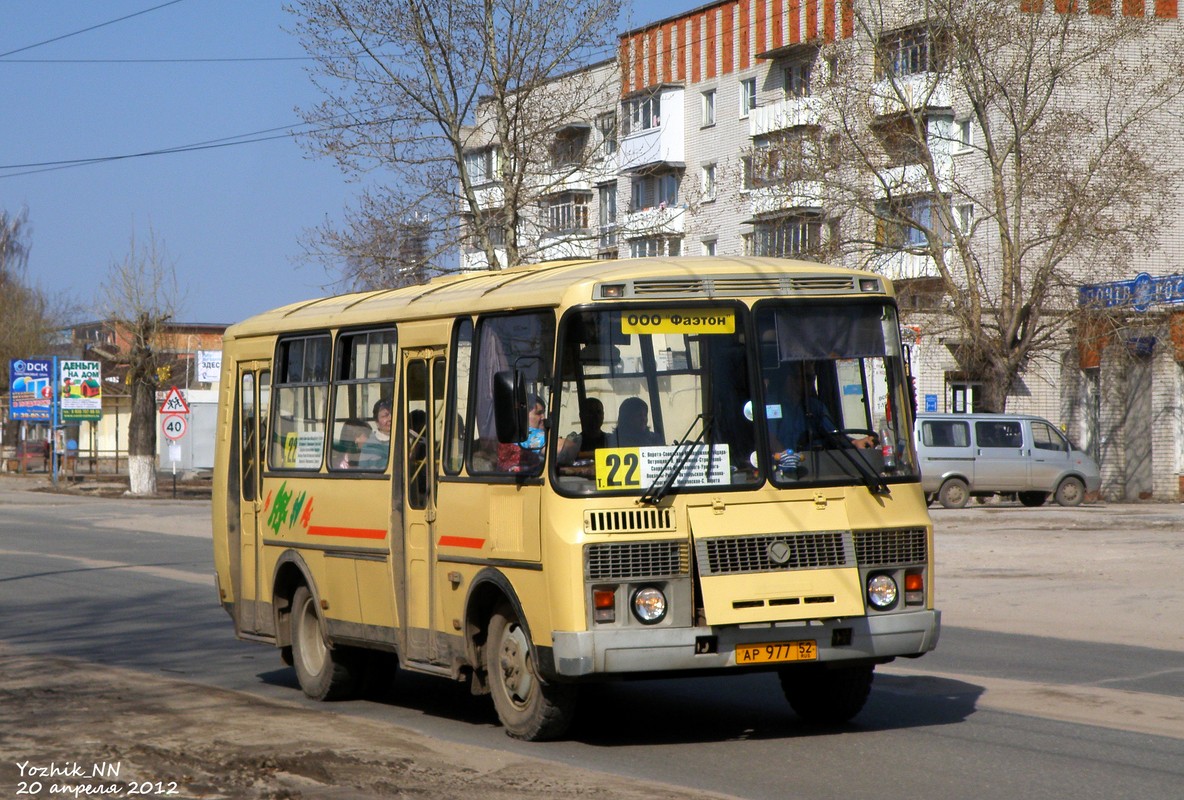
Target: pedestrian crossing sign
{"points": [[174, 403]]}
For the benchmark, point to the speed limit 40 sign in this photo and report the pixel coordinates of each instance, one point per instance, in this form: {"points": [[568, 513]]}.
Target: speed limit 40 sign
{"points": [[174, 426]]}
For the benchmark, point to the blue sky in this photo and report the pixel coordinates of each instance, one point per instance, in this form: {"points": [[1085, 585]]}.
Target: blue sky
{"points": [[230, 217]]}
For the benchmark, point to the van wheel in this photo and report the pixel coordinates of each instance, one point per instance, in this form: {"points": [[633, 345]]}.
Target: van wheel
{"points": [[1071, 492], [1033, 499], [324, 673], [528, 708], [954, 493]]}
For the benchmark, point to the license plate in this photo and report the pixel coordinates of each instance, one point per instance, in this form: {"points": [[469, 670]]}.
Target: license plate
{"points": [[773, 652]]}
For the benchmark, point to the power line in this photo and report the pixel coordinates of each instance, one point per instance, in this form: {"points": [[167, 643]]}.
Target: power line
{"points": [[86, 30], [155, 60]]}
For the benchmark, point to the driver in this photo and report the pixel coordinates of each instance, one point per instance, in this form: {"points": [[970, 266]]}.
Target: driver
{"points": [[802, 413]]}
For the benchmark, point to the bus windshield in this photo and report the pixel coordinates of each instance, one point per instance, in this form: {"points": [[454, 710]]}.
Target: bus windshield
{"points": [[655, 399]]}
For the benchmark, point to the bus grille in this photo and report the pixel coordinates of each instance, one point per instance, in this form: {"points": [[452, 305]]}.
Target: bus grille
{"points": [[622, 560], [773, 552], [891, 547], [638, 520], [740, 285]]}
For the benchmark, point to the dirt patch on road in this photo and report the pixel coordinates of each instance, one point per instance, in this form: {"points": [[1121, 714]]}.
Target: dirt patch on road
{"points": [[69, 729]]}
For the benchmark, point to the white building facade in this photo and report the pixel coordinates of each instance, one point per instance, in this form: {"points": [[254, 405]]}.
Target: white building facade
{"points": [[683, 160]]}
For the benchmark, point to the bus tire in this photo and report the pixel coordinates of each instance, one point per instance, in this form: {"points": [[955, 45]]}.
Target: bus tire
{"points": [[1071, 492], [528, 708], [324, 673], [954, 493], [824, 696], [1033, 499]]}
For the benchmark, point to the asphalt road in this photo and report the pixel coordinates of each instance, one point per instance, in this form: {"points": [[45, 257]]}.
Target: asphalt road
{"points": [[1060, 672]]}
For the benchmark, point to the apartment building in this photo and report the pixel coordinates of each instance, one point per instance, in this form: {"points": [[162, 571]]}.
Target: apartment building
{"points": [[699, 152]]}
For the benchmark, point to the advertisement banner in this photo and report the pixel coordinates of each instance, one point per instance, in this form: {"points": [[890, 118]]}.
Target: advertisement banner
{"points": [[82, 390], [30, 384], [209, 365]]}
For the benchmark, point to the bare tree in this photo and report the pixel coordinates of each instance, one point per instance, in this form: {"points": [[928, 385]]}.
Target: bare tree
{"points": [[139, 297], [30, 315], [404, 80], [997, 155]]}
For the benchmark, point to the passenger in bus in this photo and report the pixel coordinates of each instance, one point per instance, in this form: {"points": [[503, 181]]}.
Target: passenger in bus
{"points": [[526, 455], [376, 447], [590, 437], [633, 426], [354, 433]]}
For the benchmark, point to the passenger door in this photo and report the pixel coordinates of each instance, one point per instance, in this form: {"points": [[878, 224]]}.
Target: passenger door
{"points": [[421, 433], [1050, 456], [1001, 462], [254, 387]]}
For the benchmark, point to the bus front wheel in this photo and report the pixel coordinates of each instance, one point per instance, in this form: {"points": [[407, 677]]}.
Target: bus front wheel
{"points": [[324, 673], [827, 696], [528, 708]]}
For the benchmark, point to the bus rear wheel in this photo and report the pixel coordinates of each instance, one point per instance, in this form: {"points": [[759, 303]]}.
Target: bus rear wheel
{"points": [[528, 708], [827, 696], [324, 673]]}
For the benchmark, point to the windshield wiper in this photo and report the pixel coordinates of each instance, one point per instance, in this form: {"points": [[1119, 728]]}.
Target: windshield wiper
{"points": [[871, 479], [677, 461]]}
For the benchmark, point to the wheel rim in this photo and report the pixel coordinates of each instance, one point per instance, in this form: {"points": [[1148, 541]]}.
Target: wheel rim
{"points": [[1071, 492], [956, 494], [514, 663], [311, 647]]}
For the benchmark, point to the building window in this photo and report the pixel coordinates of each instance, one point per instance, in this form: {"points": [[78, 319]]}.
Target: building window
{"points": [[797, 78], [708, 181], [565, 212], [966, 218], [481, 166], [648, 246], [782, 158], [607, 124], [709, 247], [747, 96], [965, 135], [655, 190], [782, 237], [905, 224], [903, 139], [908, 52], [568, 148], [608, 217], [643, 113], [709, 108]]}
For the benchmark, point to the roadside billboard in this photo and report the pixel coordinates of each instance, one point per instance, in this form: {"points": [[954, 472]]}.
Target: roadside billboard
{"points": [[30, 384], [209, 365], [82, 390]]}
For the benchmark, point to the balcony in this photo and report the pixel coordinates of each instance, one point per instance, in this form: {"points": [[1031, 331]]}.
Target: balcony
{"points": [[901, 264], [489, 195], [657, 221], [911, 93], [791, 112], [772, 199], [660, 144]]}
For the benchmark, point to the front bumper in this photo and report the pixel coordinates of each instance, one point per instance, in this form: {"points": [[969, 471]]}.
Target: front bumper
{"points": [[631, 650]]}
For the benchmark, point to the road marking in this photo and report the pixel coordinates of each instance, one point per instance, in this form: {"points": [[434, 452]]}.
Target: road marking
{"points": [[1119, 709], [168, 573]]}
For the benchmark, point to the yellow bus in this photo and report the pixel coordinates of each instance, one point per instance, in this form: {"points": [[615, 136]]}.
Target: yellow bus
{"points": [[570, 472]]}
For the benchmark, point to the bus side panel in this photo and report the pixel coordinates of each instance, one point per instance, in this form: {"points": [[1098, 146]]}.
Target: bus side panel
{"points": [[341, 529]]}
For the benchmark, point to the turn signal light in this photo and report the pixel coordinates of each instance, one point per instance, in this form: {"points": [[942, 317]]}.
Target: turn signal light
{"points": [[914, 589], [604, 605]]}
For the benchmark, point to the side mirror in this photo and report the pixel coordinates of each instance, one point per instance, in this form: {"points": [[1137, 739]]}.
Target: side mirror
{"points": [[509, 406]]}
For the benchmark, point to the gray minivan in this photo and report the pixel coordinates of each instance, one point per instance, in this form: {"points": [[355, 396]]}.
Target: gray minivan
{"points": [[965, 455]]}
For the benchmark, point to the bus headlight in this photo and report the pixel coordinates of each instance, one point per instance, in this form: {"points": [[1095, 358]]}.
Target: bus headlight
{"points": [[881, 591], [649, 605]]}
